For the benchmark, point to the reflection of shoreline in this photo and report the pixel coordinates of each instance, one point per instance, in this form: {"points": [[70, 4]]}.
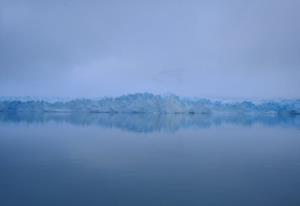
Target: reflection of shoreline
{"points": [[142, 122]]}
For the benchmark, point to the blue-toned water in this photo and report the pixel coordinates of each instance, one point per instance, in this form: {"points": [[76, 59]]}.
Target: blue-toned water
{"points": [[140, 159]]}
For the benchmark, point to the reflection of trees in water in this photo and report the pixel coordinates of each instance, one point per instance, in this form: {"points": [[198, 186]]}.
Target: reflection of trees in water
{"points": [[151, 122]]}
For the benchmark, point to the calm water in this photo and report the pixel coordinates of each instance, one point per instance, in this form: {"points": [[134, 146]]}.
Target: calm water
{"points": [[94, 159]]}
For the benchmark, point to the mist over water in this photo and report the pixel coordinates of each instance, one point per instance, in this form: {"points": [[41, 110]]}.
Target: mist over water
{"points": [[148, 123], [149, 103]]}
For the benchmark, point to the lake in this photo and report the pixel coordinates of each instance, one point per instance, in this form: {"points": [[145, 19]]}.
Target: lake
{"points": [[139, 159]]}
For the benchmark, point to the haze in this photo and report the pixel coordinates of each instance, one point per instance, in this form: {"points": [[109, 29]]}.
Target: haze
{"points": [[211, 49]]}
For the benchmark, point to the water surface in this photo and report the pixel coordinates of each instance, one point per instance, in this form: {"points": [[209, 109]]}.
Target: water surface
{"points": [[98, 159]]}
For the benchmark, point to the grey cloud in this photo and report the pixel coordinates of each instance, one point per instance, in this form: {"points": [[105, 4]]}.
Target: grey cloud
{"points": [[223, 48]]}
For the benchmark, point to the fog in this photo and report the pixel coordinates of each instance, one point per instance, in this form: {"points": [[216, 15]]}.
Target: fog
{"points": [[211, 49]]}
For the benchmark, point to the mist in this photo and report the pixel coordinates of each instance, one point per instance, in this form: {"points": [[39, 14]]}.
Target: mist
{"points": [[209, 49]]}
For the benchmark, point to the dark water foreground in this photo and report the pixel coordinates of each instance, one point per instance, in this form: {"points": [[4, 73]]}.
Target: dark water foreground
{"points": [[139, 159]]}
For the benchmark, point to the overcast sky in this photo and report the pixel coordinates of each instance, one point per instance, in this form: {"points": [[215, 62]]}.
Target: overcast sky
{"points": [[213, 48]]}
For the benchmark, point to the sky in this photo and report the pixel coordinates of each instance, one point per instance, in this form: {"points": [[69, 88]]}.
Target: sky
{"points": [[199, 48]]}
